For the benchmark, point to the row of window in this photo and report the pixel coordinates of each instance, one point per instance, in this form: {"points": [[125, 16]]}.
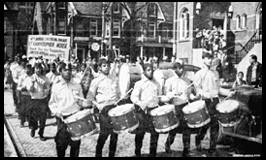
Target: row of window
{"points": [[241, 21]]}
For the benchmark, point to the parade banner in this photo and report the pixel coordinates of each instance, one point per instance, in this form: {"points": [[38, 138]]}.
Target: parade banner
{"points": [[48, 46]]}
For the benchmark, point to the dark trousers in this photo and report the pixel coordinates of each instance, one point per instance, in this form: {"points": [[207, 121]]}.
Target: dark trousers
{"points": [[38, 113], [106, 129], [145, 125], [63, 139], [23, 107], [213, 125], [14, 92], [182, 128]]}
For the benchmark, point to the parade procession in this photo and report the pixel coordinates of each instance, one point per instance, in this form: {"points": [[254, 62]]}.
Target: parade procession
{"points": [[133, 79]]}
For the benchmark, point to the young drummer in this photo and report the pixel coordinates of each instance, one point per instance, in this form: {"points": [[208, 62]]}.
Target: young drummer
{"points": [[206, 82], [179, 86], [104, 94], [145, 97], [63, 104]]}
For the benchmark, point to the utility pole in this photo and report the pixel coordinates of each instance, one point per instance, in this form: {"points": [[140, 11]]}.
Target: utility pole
{"points": [[111, 31]]}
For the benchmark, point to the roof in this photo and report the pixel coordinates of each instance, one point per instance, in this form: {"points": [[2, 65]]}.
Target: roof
{"points": [[88, 8], [168, 10]]}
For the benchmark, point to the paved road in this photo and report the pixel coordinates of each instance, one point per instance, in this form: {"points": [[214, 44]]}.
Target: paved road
{"points": [[34, 147]]}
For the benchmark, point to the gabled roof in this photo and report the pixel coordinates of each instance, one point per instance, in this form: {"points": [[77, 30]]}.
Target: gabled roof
{"points": [[168, 10], [88, 8]]}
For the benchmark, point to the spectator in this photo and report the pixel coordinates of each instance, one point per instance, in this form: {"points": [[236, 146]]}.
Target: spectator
{"points": [[254, 71], [239, 80]]}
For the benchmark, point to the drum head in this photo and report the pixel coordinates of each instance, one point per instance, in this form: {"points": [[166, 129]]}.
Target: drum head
{"points": [[77, 116], [162, 110], [124, 76], [227, 106], [194, 107], [121, 110]]}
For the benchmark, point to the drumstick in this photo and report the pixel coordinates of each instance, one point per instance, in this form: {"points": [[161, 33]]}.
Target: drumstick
{"points": [[122, 97], [80, 98]]}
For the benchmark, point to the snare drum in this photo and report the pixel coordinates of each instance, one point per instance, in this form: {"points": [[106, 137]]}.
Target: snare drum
{"points": [[164, 118], [196, 114], [81, 124], [228, 113], [124, 118]]}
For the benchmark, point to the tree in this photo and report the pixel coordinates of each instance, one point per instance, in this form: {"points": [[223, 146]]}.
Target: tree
{"points": [[132, 9]]}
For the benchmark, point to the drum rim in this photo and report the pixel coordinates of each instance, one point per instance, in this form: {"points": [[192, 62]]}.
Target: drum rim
{"points": [[122, 113], [201, 124], [168, 128], [234, 109], [172, 108], [131, 129], [84, 135], [69, 120], [229, 124], [187, 106]]}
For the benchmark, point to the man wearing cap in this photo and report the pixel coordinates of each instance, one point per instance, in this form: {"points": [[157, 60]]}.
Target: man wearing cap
{"points": [[104, 94], [206, 82], [64, 103]]}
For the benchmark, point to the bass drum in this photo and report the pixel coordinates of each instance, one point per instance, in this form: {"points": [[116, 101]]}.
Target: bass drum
{"points": [[129, 74], [161, 75]]}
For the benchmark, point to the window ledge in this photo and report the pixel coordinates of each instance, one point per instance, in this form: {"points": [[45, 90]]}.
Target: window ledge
{"points": [[240, 30], [183, 40]]}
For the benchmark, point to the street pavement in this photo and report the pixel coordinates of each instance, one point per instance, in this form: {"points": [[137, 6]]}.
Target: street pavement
{"points": [[34, 147]]}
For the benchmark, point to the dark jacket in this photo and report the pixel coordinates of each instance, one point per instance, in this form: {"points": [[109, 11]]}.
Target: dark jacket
{"points": [[258, 74]]}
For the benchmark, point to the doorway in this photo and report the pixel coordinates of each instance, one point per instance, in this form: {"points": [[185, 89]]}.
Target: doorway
{"points": [[218, 23]]}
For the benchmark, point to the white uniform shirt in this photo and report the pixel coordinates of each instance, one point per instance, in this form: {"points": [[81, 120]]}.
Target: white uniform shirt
{"points": [[63, 97], [146, 92], [206, 82]]}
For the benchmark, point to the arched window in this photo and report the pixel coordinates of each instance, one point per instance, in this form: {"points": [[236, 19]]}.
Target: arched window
{"points": [[184, 24], [238, 22], [244, 21]]}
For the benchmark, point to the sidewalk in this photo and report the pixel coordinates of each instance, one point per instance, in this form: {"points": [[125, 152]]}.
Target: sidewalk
{"points": [[34, 147]]}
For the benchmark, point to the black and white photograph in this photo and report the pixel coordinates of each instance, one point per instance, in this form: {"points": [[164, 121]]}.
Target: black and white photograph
{"points": [[132, 79]]}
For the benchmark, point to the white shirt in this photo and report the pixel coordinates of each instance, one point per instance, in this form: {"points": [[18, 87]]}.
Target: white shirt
{"points": [[63, 97], [104, 90], [17, 71], [51, 77], [206, 82], [146, 92], [177, 84], [41, 87], [253, 74]]}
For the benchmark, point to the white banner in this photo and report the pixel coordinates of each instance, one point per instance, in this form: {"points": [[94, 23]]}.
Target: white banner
{"points": [[48, 46]]}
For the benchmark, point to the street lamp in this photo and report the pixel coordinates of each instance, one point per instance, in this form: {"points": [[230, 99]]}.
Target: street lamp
{"points": [[230, 11], [198, 8]]}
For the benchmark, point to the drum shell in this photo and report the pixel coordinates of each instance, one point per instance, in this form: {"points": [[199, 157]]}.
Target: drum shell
{"points": [[165, 122], [197, 119], [127, 122], [229, 119], [81, 127]]}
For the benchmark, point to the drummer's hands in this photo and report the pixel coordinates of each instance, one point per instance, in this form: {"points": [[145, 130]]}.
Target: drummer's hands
{"points": [[143, 106], [58, 114], [232, 92]]}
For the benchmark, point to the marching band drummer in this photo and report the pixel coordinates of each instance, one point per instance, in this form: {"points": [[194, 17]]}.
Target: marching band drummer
{"points": [[206, 82], [179, 86], [145, 97], [63, 104], [104, 93]]}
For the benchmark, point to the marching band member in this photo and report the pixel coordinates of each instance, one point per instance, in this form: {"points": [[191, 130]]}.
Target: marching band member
{"points": [[177, 86], [145, 97], [24, 98], [103, 93], [63, 104], [206, 82], [38, 86]]}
